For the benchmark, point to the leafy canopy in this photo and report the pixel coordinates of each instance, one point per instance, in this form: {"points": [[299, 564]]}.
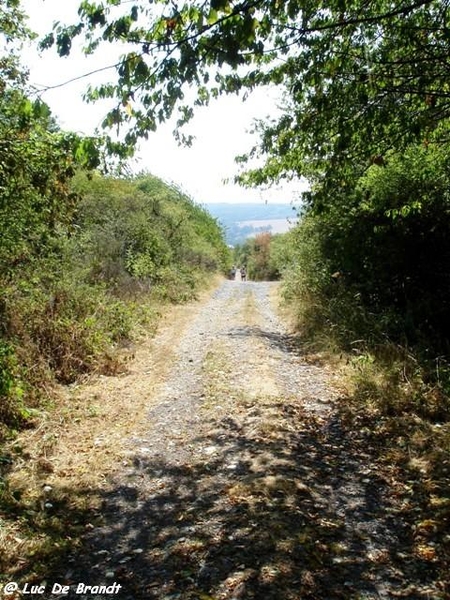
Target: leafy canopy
{"points": [[13, 31], [361, 77]]}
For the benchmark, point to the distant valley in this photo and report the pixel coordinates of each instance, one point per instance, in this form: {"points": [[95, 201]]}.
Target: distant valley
{"points": [[241, 221]]}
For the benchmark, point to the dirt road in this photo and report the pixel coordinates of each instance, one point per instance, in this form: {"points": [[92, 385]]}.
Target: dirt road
{"points": [[239, 481]]}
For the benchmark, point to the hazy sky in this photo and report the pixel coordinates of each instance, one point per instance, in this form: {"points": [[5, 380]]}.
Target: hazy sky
{"points": [[221, 129]]}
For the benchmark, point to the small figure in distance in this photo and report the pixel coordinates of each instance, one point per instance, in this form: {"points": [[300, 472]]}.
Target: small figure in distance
{"points": [[243, 274], [233, 273]]}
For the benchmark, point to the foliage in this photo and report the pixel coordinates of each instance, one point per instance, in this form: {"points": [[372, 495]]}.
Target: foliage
{"points": [[369, 277], [360, 77], [262, 256], [74, 299], [37, 162], [403, 266], [13, 31], [381, 250], [280, 253], [10, 390], [307, 282], [363, 85], [145, 231], [77, 250]]}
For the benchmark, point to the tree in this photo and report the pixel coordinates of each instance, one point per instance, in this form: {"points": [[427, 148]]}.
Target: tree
{"points": [[366, 84], [360, 77], [37, 160], [13, 31], [374, 265], [37, 163], [261, 256]]}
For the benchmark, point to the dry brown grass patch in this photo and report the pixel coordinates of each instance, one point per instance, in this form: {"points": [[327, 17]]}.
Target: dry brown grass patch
{"points": [[61, 469]]}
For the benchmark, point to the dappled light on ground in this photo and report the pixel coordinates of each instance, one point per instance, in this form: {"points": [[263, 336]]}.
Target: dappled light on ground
{"points": [[245, 481]]}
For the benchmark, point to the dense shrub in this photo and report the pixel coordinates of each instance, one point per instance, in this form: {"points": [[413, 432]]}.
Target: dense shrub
{"points": [[262, 255], [144, 231], [376, 261], [79, 278]]}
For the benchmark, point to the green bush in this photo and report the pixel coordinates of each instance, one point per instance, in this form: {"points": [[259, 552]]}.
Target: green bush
{"points": [[368, 277], [263, 256], [376, 260], [67, 308], [142, 230]]}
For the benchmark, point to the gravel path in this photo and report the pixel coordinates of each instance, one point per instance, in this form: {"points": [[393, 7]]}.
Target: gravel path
{"points": [[245, 484]]}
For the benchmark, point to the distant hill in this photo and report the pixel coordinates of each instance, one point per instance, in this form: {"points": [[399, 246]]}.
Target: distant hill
{"points": [[241, 221]]}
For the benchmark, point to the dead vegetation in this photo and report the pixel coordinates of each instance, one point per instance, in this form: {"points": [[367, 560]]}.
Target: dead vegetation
{"points": [[61, 467], [262, 493]]}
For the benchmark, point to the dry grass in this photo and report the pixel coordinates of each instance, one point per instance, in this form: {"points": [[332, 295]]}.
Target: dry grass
{"points": [[78, 442]]}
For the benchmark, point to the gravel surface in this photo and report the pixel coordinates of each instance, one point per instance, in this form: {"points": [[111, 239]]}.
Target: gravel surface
{"points": [[244, 483]]}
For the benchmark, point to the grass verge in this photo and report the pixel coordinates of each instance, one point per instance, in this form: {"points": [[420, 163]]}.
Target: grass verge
{"points": [[55, 474], [399, 403]]}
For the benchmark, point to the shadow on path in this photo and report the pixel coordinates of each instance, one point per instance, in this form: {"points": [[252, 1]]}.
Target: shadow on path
{"points": [[286, 508]]}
